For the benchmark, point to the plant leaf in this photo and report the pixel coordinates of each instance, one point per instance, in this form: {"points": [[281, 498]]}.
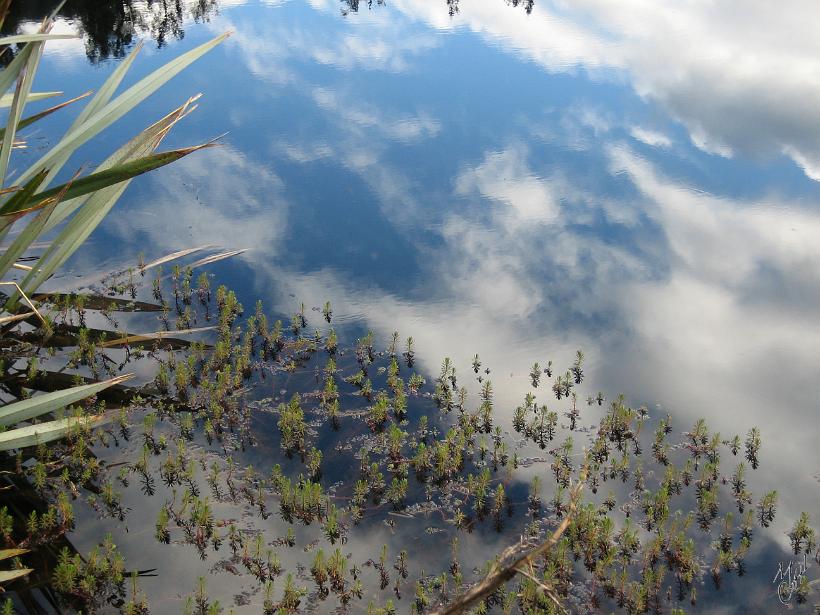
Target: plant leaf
{"points": [[101, 98], [22, 242], [142, 144], [28, 38], [25, 122], [99, 180], [49, 402], [9, 553], [41, 433], [11, 575], [216, 257], [4, 320], [20, 196], [100, 302], [175, 255], [117, 107], [25, 78], [7, 99], [157, 335], [78, 230], [10, 73]]}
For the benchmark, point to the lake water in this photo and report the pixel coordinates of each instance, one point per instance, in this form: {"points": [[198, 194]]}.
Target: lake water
{"points": [[517, 180]]}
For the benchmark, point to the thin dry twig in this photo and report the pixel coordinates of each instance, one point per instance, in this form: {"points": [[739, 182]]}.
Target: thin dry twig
{"points": [[501, 573], [22, 294]]}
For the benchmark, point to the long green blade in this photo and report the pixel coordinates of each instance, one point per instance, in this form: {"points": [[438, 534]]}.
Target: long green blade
{"points": [[19, 199], [41, 433], [141, 145], [97, 181], [9, 553], [10, 73], [10, 575], [25, 78], [118, 107], [104, 94], [93, 208], [72, 236], [28, 38], [100, 99], [7, 99], [28, 121], [49, 402], [29, 234]]}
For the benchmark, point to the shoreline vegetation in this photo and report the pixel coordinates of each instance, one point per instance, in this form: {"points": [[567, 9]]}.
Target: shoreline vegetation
{"points": [[618, 510]]}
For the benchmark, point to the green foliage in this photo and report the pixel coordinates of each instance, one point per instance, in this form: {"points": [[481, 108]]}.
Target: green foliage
{"points": [[292, 424]]}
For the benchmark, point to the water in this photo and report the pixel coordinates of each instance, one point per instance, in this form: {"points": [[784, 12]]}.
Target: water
{"points": [[639, 181]]}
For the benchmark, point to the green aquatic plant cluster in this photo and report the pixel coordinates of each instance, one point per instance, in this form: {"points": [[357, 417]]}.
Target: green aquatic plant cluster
{"points": [[644, 526], [638, 530]]}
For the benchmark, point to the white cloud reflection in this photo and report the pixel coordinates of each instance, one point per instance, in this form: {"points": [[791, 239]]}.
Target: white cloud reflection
{"points": [[701, 336], [216, 196], [739, 81]]}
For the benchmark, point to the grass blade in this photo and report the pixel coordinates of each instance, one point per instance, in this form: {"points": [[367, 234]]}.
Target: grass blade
{"points": [[216, 257], [100, 302], [25, 122], [32, 435], [77, 231], [25, 78], [20, 196], [6, 576], [29, 38], [139, 338], [22, 242], [144, 143], [4, 320], [116, 108], [49, 402], [10, 73], [9, 553], [100, 180], [174, 256], [7, 99], [101, 98]]}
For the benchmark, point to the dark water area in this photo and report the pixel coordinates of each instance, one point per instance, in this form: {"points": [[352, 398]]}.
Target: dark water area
{"points": [[513, 179]]}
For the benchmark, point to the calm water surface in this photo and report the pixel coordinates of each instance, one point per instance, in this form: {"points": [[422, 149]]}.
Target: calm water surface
{"points": [[639, 180]]}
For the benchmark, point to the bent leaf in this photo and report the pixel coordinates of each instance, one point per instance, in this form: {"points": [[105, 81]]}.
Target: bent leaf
{"points": [[141, 145], [41, 433], [7, 99], [49, 402], [139, 338], [10, 575], [28, 38], [9, 553], [101, 179], [28, 121], [100, 302], [118, 107]]}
